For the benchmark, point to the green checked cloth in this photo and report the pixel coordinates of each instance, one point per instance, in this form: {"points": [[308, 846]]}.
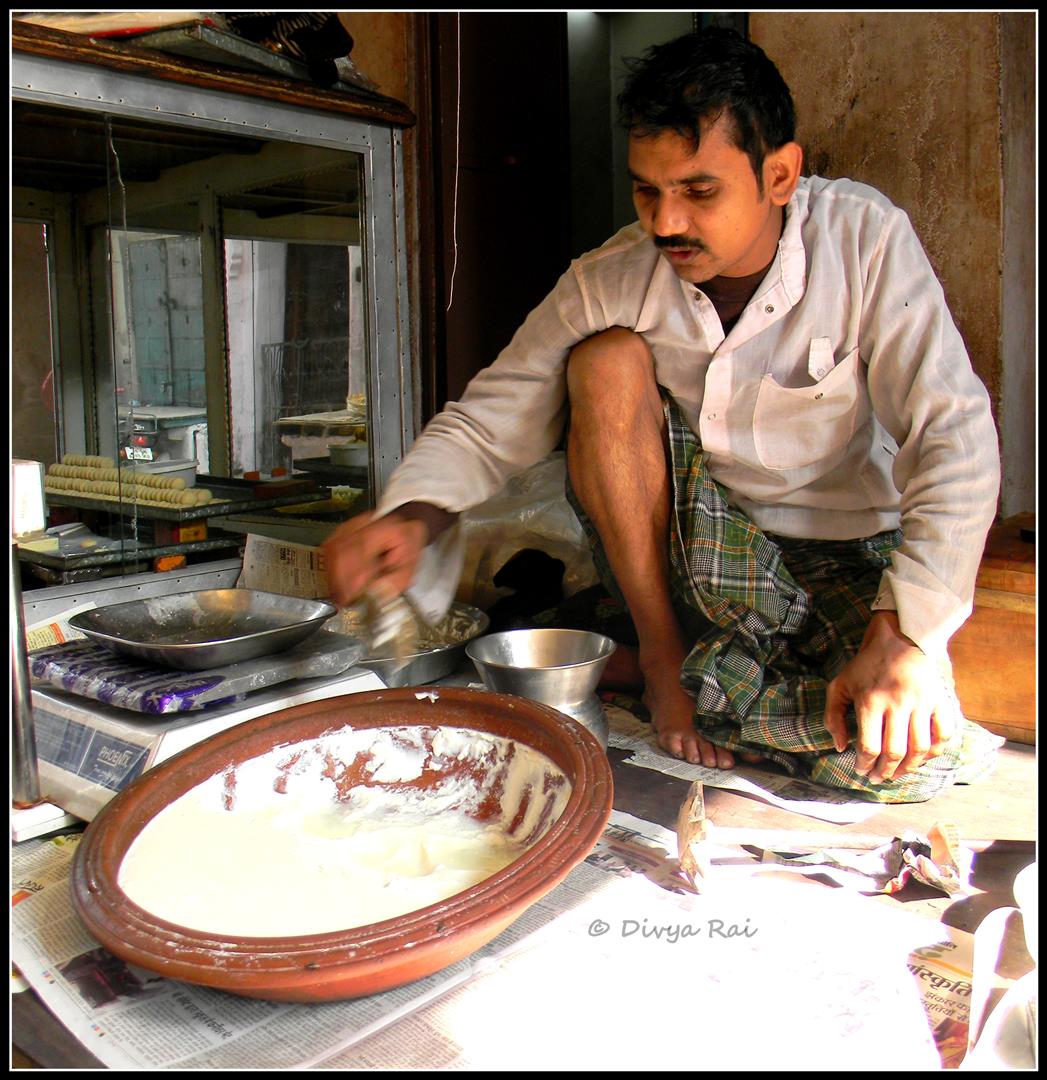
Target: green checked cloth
{"points": [[773, 621]]}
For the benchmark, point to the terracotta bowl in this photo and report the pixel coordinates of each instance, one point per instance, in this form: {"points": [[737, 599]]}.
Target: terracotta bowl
{"points": [[381, 955]]}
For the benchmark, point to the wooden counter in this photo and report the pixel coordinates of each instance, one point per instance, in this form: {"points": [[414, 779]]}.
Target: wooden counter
{"points": [[994, 652]]}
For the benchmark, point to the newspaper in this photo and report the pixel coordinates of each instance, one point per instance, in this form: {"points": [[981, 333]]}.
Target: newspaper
{"points": [[130, 1018], [787, 792], [278, 566], [827, 978], [56, 630], [945, 974], [941, 960]]}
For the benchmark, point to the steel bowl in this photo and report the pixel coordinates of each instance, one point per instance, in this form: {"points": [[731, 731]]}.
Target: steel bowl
{"points": [[438, 654], [211, 628], [557, 667], [322, 737]]}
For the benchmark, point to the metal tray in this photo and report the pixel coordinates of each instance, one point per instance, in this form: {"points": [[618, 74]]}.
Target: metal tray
{"points": [[130, 552], [434, 659], [196, 631], [231, 496], [332, 474]]}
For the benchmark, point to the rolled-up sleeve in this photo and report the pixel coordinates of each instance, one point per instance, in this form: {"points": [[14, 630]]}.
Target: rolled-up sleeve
{"points": [[926, 394], [510, 416]]}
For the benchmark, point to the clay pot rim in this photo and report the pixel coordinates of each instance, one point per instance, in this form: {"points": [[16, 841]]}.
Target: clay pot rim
{"points": [[155, 944]]}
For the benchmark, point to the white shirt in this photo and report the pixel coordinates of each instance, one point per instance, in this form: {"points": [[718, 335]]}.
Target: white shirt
{"points": [[842, 403]]}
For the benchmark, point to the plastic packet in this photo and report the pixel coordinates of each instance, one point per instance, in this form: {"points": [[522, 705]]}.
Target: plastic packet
{"points": [[530, 512]]}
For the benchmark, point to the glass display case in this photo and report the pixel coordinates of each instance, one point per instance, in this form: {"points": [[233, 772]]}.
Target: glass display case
{"points": [[208, 281]]}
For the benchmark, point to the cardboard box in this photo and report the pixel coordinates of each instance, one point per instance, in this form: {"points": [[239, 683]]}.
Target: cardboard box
{"points": [[179, 532]]}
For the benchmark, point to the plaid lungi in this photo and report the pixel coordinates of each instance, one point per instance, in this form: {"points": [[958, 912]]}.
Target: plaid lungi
{"points": [[773, 620]]}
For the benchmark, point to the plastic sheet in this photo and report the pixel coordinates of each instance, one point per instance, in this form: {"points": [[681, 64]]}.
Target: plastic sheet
{"points": [[530, 513]]}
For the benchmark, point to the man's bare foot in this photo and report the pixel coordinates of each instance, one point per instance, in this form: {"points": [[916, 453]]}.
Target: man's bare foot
{"points": [[672, 717], [749, 757]]}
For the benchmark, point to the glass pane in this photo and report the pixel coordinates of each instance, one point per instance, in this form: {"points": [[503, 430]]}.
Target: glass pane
{"points": [[205, 291], [295, 325], [35, 436], [160, 390]]}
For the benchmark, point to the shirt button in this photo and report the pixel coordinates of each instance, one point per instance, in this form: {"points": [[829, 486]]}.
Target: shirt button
{"points": [[711, 416], [769, 309]]}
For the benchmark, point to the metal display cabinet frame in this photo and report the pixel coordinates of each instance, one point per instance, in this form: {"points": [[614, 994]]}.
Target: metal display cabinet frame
{"points": [[75, 72]]}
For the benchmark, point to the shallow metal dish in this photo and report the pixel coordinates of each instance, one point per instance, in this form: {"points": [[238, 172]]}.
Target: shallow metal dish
{"points": [[196, 631], [436, 657]]}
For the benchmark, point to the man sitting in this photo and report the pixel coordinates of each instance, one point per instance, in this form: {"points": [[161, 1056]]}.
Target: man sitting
{"points": [[776, 443]]}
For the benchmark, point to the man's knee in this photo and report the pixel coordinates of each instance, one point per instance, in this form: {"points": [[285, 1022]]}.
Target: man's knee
{"points": [[612, 361]]}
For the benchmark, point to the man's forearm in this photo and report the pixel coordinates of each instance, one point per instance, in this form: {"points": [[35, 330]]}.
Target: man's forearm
{"points": [[436, 520]]}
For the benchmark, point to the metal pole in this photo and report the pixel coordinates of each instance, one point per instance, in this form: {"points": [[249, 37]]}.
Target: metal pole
{"points": [[25, 778]]}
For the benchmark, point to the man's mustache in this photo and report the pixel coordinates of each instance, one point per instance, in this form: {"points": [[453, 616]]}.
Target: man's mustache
{"points": [[678, 242]]}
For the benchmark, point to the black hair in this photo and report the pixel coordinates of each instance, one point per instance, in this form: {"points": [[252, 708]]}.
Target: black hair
{"points": [[701, 76]]}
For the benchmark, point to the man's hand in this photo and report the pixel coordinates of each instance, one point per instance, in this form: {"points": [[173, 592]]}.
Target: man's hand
{"points": [[905, 715], [378, 554]]}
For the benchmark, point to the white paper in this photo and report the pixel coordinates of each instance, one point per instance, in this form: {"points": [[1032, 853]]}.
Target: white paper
{"points": [[278, 566], [56, 630], [789, 793]]}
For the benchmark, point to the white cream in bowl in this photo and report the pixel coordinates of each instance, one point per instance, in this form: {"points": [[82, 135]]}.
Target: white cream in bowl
{"points": [[290, 843]]}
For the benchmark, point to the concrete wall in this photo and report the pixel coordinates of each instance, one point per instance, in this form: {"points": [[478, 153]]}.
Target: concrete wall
{"points": [[382, 49], [1018, 320], [911, 103], [592, 149]]}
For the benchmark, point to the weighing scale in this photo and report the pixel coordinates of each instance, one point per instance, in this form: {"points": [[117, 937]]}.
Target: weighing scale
{"points": [[89, 749]]}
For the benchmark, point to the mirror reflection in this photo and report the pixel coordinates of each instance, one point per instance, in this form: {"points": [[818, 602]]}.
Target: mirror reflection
{"points": [[35, 437], [295, 319], [158, 339], [219, 297]]}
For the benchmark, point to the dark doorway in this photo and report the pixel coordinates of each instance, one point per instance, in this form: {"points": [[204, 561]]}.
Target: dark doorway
{"points": [[509, 192], [500, 177]]}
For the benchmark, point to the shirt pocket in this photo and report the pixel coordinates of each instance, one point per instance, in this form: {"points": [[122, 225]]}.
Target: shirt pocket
{"points": [[794, 427]]}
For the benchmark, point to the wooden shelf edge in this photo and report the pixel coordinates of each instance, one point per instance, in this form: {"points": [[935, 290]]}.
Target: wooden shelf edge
{"points": [[123, 56]]}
